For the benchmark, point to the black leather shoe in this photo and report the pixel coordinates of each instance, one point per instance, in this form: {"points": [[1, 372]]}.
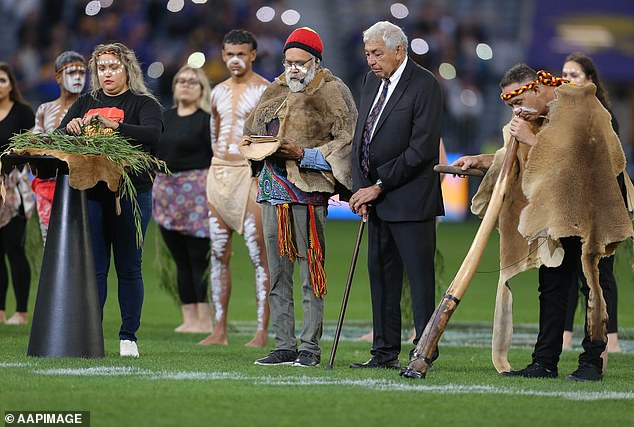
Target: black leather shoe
{"points": [[534, 370], [374, 363], [586, 372]]}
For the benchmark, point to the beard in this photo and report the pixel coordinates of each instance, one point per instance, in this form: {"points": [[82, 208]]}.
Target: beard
{"points": [[302, 81]]}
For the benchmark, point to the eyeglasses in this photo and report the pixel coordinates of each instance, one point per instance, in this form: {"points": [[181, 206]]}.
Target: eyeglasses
{"points": [[296, 64], [187, 82]]}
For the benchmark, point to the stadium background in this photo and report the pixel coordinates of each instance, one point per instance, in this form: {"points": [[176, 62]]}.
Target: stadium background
{"points": [[467, 44]]}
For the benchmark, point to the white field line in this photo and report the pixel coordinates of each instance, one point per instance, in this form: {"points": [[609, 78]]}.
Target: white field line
{"points": [[302, 380], [14, 365]]}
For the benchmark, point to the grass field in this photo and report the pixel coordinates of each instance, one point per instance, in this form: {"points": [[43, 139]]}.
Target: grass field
{"points": [[178, 383]]}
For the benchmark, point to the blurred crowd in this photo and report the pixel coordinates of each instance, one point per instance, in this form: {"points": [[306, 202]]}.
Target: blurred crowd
{"points": [[34, 32]]}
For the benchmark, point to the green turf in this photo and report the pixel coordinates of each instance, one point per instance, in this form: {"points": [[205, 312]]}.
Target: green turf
{"points": [[177, 383]]}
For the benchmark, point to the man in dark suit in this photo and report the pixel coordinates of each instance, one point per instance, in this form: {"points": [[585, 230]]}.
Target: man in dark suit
{"points": [[395, 188]]}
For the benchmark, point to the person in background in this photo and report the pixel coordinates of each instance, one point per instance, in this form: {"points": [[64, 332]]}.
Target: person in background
{"points": [[179, 202], [231, 189], [119, 100], [16, 116], [580, 69], [70, 74]]}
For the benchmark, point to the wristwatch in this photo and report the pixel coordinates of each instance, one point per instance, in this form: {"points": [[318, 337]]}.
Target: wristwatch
{"points": [[379, 183]]}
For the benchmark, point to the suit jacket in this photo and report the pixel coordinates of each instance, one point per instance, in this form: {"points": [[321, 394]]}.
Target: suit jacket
{"points": [[404, 147]]}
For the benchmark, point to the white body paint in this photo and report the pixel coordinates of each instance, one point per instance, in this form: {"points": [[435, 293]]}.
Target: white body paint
{"points": [[297, 83], [236, 61], [219, 240], [518, 110], [72, 81], [232, 108], [231, 105], [261, 277]]}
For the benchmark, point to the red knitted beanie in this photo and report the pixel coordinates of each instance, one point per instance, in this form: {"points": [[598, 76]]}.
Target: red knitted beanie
{"points": [[307, 39]]}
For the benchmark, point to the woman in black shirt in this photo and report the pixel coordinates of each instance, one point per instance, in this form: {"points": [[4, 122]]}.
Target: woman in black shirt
{"points": [[179, 200], [15, 117], [120, 100]]}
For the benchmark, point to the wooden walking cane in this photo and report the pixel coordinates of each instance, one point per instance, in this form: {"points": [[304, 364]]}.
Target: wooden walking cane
{"points": [[346, 294], [422, 357]]}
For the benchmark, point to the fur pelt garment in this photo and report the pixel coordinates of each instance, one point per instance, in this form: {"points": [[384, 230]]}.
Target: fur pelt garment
{"points": [[322, 116], [84, 171], [565, 185]]}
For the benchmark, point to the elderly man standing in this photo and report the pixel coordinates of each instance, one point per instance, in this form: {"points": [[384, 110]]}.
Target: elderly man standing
{"points": [[395, 147], [311, 115]]}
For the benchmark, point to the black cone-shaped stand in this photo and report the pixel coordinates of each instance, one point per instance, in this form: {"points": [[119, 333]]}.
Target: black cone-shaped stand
{"points": [[67, 314]]}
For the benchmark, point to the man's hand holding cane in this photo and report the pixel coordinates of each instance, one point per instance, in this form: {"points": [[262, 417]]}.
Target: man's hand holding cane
{"points": [[361, 201]]}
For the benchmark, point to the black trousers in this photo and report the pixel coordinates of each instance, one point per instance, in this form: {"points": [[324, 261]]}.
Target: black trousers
{"points": [[554, 284], [394, 247], [12, 240], [191, 255], [610, 293]]}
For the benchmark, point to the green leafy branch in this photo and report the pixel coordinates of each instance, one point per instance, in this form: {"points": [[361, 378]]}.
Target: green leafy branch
{"points": [[127, 158]]}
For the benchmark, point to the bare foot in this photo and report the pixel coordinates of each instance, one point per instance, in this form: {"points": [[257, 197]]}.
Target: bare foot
{"points": [[613, 343], [369, 337], [260, 339], [19, 319], [217, 338]]}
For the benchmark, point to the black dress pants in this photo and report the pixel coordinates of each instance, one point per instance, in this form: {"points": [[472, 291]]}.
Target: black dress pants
{"points": [[554, 283], [610, 293], [394, 247]]}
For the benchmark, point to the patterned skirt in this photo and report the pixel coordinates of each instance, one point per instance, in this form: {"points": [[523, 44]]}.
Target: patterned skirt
{"points": [[179, 202]]}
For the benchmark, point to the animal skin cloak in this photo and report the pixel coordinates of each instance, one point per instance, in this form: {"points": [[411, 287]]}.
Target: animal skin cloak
{"points": [[321, 116], [565, 185]]}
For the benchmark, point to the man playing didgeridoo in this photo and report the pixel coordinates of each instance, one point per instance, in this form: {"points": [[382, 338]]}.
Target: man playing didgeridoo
{"points": [[563, 207]]}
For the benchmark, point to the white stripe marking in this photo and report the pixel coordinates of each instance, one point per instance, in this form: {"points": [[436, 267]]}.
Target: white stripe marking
{"points": [[13, 365], [379, 385]]}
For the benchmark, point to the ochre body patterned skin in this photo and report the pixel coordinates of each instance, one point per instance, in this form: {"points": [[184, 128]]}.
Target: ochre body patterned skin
{"points": [[231, 103]]}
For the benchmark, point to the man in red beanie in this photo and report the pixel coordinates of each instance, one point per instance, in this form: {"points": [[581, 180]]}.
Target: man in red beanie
{"points": [[310, 113]]}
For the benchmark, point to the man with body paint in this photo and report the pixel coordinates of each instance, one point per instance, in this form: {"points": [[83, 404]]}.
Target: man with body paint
{"points": [[231, 190], [70, 74]]}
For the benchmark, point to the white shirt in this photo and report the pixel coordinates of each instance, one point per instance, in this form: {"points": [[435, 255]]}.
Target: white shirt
{"points": [[394, 78]]}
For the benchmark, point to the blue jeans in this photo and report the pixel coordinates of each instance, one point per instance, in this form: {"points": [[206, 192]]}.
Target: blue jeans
{"points": [[117, 233]]}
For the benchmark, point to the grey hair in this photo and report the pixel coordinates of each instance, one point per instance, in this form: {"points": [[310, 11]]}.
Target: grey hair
{"points": [[130, 63], [391, 35]]}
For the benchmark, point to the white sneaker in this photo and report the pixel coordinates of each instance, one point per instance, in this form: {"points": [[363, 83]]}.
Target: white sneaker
{"points": [[128, 348]]}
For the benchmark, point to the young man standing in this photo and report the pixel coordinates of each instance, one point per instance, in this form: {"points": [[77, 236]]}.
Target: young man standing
{"points": [[230, 188]]}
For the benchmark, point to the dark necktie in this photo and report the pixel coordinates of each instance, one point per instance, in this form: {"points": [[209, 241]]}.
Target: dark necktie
{"points": [[369, 125]]}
